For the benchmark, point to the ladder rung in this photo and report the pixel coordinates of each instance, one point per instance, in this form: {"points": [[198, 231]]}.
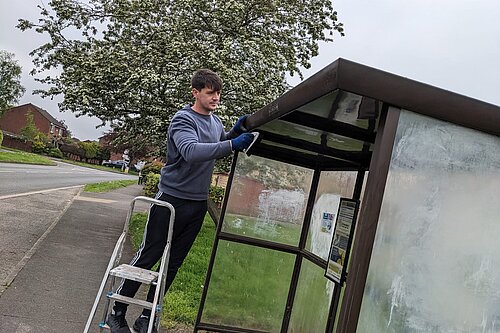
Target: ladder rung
{"points": [[134, 273], [130, 300]]}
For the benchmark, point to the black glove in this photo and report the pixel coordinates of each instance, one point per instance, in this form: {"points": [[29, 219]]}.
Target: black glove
{"points": [[239, 127], [242, 142]]}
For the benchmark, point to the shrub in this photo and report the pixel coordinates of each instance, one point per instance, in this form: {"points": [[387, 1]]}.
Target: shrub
{"points": [[73, 149], [40, 144], [151, 184], [55, 152], [92, 149], [1, 137], [29, 131], [216, 193], [152, 167], [223, 165]]}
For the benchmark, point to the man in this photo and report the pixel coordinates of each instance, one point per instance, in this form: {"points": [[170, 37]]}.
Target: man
{"points": [[196, 138]]}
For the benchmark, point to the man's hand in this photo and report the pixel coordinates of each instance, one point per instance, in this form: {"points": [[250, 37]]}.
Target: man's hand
{"points": [[239, 127], [242, 142]]}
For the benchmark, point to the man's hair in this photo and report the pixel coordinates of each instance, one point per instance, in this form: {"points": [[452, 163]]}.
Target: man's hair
{"points": [[206, 78]]}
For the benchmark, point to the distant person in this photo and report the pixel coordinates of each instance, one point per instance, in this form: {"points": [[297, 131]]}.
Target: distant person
{"points": [[196, 138]]}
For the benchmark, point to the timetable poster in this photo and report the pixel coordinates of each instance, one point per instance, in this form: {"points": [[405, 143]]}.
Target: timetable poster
{"points": [[342, 235]]}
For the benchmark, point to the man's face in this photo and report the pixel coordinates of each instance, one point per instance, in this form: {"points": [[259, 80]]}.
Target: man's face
{"points": [[207, 99]]}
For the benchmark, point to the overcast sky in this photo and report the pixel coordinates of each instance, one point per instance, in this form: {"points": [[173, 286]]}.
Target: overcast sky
{"points": [[451, 44]]}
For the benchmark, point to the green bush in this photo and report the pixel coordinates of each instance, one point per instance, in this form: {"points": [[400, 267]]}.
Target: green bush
{"points": [[92, 149], [1, 137], [30, 131], [40, 144], [216, 193], [152, 167], [151, 184], [223, 165], [55, 152]]}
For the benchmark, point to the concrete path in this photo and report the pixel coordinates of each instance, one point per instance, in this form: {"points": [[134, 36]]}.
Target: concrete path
{"points": [[24, 222], [53, 291]]}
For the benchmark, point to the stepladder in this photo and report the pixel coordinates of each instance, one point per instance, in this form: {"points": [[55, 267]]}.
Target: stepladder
{"points": [[117, 271]]}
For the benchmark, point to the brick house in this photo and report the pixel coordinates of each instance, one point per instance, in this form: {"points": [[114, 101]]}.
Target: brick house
{"points": [[14, 119], [105, 142]]}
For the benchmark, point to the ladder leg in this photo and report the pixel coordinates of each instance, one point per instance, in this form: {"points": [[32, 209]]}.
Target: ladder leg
{"points": [[117, 249], [107, 301]]}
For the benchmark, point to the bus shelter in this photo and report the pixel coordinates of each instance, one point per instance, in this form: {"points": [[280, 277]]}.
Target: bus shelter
{"points": [[370, 203]]}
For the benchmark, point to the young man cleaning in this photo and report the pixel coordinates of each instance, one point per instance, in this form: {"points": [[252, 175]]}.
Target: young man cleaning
{"points": [[196, 138]]}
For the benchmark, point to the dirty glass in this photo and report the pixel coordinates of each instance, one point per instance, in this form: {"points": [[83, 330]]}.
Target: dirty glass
{"points": [[435, 265], [312, 300], [267, 200], [343, 106], [331, 187], [248, 287], [312, 135]]}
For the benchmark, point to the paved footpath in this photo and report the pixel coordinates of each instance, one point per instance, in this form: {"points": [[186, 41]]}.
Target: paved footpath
{"points": [[55, 288]]}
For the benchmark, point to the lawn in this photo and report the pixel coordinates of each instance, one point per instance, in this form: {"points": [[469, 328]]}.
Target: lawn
{"points": [[108, 186], [16, 156]]}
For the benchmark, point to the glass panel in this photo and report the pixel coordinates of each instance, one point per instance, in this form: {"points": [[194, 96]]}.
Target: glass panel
{"points": [[312, 300], [267, 200], [435, 265], [332, 186], [348, 108], [311, 135], [248, 287], [321, 107]]}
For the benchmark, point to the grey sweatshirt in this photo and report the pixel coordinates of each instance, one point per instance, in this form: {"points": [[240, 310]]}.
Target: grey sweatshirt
{"points": [[194, 142]]}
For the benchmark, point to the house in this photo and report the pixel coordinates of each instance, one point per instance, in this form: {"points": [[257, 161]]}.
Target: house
{"points": [[105, 142], [14, 119]]}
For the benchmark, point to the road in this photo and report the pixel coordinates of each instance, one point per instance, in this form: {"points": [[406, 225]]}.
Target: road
{"points": [[32, 200], [24, 178]]}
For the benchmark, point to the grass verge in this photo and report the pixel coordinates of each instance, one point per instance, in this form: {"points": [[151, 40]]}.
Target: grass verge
{"points": [[183, 298], [13, 156], [108, 186]]}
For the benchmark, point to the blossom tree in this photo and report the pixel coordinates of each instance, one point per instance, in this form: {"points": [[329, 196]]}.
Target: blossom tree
{"points": [[130, 62]]}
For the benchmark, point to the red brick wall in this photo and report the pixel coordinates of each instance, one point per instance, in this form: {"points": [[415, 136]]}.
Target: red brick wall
{"points": [[244, 196], [16, 143], [14, 120]]}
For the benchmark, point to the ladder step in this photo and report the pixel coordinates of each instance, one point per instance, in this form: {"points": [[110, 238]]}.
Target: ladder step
{"points": [[130, 300], [134, 273]]}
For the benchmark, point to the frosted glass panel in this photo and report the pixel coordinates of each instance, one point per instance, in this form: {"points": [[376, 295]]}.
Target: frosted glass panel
{"points": [[435, 265], [312, 300], [267, 200], [332, 186]]}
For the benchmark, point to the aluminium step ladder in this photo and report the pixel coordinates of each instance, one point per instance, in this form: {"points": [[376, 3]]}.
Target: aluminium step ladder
{"points": [[124, 271]]}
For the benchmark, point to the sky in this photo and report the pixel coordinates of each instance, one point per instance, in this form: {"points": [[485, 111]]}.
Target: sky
{"points": [[450, 44]]}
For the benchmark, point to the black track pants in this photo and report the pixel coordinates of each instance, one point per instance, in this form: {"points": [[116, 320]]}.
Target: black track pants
{"points": [[189, 215]]}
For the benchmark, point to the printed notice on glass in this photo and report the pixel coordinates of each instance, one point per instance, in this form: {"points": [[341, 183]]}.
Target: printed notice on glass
{"points": [[327, 222], [341, 241]]}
